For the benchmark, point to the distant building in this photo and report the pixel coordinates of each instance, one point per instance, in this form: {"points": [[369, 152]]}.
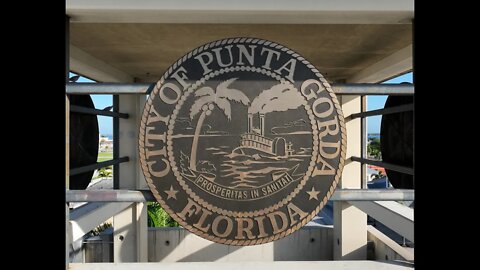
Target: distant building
{"points": [[104, 143], [377, 169]]}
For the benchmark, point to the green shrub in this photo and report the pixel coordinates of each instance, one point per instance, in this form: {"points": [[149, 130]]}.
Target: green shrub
{"points": [[373, 149], [157, 217]]}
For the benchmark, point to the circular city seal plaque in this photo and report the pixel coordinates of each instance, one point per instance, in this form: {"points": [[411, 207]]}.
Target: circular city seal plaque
{"points": [[242, 141]]}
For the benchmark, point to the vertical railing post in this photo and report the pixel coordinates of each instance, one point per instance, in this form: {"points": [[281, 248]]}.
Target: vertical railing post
{"points": [[116, 144], [364, 140]]}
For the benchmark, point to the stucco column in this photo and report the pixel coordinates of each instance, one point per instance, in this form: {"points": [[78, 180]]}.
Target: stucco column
{"points": [[350, 224]]}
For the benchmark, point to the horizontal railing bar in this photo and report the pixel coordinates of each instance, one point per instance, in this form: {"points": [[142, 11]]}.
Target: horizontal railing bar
{"points": [[80, 109], [146, 88], [396, 109], [373, 195], [146, 195], [385, 165], [112, 195], [109, 88], [373, 89], [98, 165]]}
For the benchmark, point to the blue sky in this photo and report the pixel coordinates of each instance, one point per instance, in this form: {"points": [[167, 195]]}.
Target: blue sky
{"points": [[105, 124], [378, 102]]}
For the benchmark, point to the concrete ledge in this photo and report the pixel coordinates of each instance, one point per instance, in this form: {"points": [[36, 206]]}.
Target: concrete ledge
{"points": [[385, 246], [394, 215], [324, 265]]}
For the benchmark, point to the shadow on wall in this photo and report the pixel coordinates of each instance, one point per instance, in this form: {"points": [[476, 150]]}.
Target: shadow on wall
{"points": [[307, 244], [310, 243], [179, 245]]}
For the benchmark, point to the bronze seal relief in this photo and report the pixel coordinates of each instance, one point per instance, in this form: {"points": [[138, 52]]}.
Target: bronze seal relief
{"points": [[242, 141]]}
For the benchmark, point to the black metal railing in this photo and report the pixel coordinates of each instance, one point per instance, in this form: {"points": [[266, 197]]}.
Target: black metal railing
{"points": [[86, 110], [98, 165], [402, 89], [115, 114]]}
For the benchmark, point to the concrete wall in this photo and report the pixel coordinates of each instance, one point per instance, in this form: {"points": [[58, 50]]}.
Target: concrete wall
{"points": [[179, 245], [99, 248]]}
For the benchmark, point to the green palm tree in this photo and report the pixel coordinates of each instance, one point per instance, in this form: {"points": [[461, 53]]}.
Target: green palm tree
{"points": [[207, 98]]}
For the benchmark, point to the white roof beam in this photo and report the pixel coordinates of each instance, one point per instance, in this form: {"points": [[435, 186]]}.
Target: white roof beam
{"points": [[398, 63], [245, 11], [95, 69]]}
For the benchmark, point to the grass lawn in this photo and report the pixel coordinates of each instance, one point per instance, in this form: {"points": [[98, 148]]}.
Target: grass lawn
{"points": [[103, 156]]}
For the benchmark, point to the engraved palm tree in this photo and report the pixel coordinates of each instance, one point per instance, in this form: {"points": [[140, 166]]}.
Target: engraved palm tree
{"points": [[206, 100]]}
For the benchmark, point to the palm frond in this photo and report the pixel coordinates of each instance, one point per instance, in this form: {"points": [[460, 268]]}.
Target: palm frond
{"points": [[234, 95], [153, 220], [153, 209], [197, 105], [204, 91], [158, 217], [224, 105], [231, 94], [226, 84]]}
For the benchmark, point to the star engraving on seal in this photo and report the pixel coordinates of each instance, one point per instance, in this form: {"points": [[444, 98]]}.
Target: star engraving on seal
{"points": [[171, 193], [313, 194]]}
